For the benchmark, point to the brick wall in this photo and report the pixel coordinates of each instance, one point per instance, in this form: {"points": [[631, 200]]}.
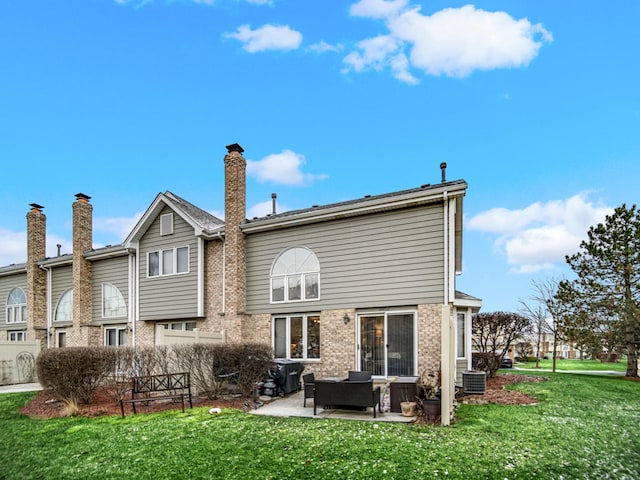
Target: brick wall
{"points": [[36, 277], [82, 299], [234, 248]]}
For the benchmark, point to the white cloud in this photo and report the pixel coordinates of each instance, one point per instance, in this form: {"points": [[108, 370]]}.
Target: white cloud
{"points": [[452, 42], [263, 209], [120, 226], [539, 236], [284, 168], [322, 47], [379, 9], [14, 246], [267, 37]]}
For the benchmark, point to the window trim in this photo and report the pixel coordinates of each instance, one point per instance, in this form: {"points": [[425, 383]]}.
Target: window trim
{"points": [[17, 333], [462, 332], [303, 275], [166, 224], [120, 297], [117, 330], [68, 291], [174, 261], [183, 325], [305, 335], [16, 313]]}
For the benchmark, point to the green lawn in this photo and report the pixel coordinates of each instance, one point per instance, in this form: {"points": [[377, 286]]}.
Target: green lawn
{"points": [[563, 365], [583, 427]]}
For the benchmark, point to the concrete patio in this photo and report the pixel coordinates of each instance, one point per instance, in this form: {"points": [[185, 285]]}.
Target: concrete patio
{"points": [[291, 406]]}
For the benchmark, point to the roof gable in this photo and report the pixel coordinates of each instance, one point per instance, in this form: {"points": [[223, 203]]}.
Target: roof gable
{"points": [[203, 223]]}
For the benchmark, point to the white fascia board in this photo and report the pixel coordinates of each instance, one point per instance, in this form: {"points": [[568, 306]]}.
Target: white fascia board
{"points": [[374, 205]]}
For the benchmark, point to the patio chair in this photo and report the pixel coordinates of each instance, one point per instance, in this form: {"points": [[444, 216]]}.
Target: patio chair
{"points": [[355, 376], [309, 384]]}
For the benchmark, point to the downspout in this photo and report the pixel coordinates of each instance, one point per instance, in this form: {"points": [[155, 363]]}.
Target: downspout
{"points": [[48, 270], [132, 296], [445, 198]]}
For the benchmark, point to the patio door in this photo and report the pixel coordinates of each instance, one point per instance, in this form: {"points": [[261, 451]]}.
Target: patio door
{"points": [[387, 344]]}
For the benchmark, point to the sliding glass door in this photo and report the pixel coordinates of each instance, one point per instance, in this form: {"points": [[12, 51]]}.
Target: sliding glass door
{"points": [[387, 343]]}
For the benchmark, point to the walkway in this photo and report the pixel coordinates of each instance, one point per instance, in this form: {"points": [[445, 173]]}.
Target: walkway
{"points": [[291, 406], [20, 387]]}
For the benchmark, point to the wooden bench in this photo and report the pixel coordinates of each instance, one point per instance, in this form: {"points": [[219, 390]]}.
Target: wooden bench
{"points": [[166, 386], [345, 394]]}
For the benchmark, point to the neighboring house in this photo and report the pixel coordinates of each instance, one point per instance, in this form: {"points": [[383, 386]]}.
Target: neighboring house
{"points": [[367, 284]]}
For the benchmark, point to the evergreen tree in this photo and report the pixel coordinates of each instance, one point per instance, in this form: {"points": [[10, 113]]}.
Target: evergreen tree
{"points": [[607, 288]]}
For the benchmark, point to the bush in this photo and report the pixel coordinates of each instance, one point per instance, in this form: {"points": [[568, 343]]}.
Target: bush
{"points": [[216, 369], [72, 374], [486, 362]]}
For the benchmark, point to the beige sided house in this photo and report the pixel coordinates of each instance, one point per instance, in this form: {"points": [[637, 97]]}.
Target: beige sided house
{"points": [[367, 284]]}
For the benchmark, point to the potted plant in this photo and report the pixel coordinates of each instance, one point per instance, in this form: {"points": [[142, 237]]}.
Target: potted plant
{"points": [[407, 405], [429, 404]]}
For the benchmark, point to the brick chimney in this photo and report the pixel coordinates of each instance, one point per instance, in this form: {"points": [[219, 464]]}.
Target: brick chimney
{"points": [[82, 241], [36, 276], [234, 252]]}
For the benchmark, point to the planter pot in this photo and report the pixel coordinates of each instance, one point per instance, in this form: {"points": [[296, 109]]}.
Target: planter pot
{"points": [[408, 408], [431, 407]]}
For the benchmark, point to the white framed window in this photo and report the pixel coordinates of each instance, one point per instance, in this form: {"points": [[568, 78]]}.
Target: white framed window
{"points": [[184, 326], [61, 338], [166, 224], [116, 336], [16, 306], [295, 276], [17, 335], [461, 335], [113, 305], [170, 261], [296, 336], [64, 309]]}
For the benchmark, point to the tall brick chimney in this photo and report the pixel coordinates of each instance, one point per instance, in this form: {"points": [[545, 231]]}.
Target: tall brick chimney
{"points": [[234, 251], [82, 241], [36, 276]]}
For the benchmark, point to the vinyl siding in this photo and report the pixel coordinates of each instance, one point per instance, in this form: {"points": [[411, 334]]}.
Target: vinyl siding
{"points": [[115, 272], [172, 296], [385, 259], [7, 284], [61, 281]]}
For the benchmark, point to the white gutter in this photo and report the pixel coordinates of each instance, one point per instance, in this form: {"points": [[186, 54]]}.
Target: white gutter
{"points": [[132, 295], [200, 279], [348, 209], [446, 248]]}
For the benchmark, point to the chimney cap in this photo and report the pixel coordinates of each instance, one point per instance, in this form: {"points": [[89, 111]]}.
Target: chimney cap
{"points": [[234, 147], [35, 206], [82, 196]]}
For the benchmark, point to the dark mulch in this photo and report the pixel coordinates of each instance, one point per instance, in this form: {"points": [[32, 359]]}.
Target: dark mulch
{"points": [[103, 402]]}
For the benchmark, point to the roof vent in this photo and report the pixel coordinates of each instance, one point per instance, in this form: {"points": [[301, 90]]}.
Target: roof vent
{"points": [[443, 168]]}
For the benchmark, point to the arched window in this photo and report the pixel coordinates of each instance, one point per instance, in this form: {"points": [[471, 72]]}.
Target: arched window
{"points": [[113, 305], [16, 306], [64, 310], [295, 276]]}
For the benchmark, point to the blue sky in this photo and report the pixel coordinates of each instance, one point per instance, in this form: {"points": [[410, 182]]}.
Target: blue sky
{"points": [[536, 104]]}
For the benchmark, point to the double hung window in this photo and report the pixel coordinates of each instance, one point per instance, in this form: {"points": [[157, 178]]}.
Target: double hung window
{"points": [[168, 262], [115, 336]]}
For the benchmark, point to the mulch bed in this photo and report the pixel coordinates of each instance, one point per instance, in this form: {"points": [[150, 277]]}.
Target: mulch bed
{"points": [[103, 403], [496, 393]]}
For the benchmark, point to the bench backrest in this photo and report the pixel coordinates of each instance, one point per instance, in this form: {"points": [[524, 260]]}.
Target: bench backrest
{"points": [[345, 393], [161, 382]]}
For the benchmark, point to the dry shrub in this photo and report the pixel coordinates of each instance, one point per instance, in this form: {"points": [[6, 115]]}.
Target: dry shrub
{"points": [[73, 374], [487, 362]]}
